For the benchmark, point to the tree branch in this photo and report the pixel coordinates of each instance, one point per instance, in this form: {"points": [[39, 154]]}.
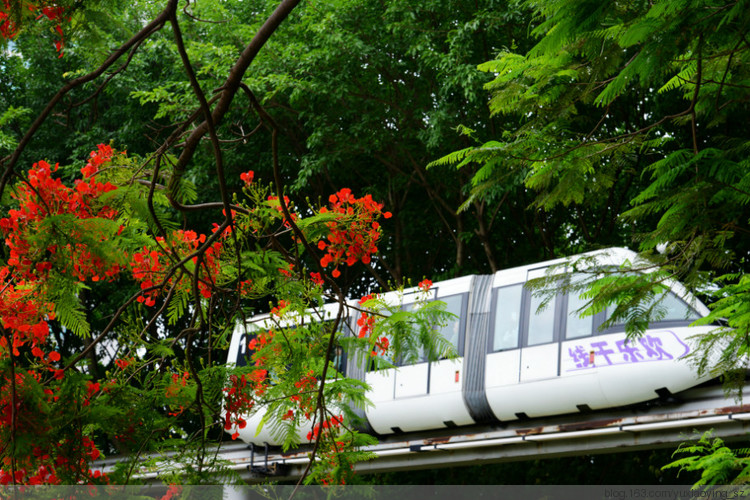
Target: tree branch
{"points": [[10, 162]]}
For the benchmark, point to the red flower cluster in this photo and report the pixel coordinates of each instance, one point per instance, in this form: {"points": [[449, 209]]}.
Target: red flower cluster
{"points": [[247, 177], [173, 491], [354, 232], [8, 28], [122, 363], [288, 271], [365, 324], [425, 285], [175, 392], [257, 343], [150, 267], [56, 14], [43, 203], [174, 387], [238, 399], [365, 321], [279, 309], [51, 230], [48, 463], [382, 344], [306, 396], [23, 311], [46, 205], [328, 425], [260, 341]]}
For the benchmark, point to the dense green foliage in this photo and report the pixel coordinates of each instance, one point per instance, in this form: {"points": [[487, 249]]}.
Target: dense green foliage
{"points": [[632, 120]]}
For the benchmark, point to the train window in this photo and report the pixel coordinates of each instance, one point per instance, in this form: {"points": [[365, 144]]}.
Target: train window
{"points": [[674, 309], [677, 310], [507, 317], [338, 358], [577, 326], [243, 353], [452, 330], [541, 322], [420, 351]]}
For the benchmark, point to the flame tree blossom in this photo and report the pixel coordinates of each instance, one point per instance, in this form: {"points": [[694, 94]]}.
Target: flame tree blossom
{"points": [[63, 241]]}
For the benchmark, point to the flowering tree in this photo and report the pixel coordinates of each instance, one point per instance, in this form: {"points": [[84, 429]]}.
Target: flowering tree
{"points": [[150, 372], [62, 240], [14, 13]]}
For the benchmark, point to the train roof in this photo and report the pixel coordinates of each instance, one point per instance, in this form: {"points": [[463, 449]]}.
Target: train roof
{"points": [[614, 256]]}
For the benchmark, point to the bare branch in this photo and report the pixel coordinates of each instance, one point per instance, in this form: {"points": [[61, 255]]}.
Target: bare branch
{"points": [[9, 162]]}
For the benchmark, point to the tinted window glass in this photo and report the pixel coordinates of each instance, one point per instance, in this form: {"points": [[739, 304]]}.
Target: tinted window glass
{"points": [[452, 329], [244, 353], [673, 307], [676, 309], [541, 322], [421, 353], [577, 326], [338, 358], [507, 317]]}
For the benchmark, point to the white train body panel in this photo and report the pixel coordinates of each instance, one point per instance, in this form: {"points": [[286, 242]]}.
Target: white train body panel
{"points": [[420, 413], [395, 407], [251, 434], [519, 360], [255, 431], [424, 395], [619, 373]]}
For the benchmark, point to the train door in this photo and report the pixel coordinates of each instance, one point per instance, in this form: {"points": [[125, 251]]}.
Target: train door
{"points": [[442, 375], [504, 356], [425, 394], [541, 352], [446, 375], [411, 379], [382, 382]]}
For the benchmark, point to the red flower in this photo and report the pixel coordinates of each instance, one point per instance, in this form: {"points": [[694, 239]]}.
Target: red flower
{"points": [[354, 231], [425, 285], [247, 177]]}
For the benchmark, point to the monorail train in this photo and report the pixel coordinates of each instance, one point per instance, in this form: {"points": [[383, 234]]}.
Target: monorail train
{"points": [[517, 361]]}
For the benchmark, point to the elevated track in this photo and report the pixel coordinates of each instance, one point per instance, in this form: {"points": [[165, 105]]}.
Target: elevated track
{"points": [[652, 425]]}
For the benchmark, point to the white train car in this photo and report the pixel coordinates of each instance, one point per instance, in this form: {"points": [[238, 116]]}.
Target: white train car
{"points": [[517, 361]]}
